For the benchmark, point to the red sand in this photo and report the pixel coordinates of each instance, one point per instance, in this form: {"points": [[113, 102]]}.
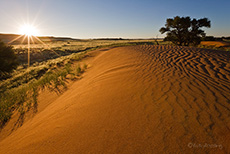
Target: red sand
{"points": [[141, 99], [216, 44]]}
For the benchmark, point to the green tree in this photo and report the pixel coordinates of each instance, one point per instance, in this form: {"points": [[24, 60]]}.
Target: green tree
{"points": [[184, 31], [8, 60]]}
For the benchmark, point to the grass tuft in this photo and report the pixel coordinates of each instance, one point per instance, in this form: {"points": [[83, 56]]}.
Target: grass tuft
{"points": [[20, 92], [24, 96]]}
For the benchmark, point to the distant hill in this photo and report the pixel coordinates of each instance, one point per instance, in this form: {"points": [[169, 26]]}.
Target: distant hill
{"points": [[212, 38], [7, 38]]}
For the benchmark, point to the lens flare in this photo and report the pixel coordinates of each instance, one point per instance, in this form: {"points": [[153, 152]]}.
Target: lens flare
{"points": [[28, 30]]}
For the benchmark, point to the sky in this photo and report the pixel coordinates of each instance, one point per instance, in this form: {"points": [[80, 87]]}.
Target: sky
{"points": [[109, 18]]}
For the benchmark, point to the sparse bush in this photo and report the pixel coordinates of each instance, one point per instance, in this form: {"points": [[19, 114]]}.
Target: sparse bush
{"points": [[8, 60], [21, 91], [78, 70], [85, 66], [25, 96]]}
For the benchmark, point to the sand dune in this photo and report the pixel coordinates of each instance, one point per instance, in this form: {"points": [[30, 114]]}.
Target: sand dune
{"points": [[139, 99], [215, 43]]}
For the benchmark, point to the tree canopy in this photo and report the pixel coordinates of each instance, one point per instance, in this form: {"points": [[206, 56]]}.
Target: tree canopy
{"points": [[8, 60], [184, 30]]}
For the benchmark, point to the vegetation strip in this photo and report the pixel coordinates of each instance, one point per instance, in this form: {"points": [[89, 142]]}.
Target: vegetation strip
{"points": [[20, 93]]}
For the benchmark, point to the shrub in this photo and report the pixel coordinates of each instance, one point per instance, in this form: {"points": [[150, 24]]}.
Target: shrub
{"points": [[184, 31], [8, 60]]}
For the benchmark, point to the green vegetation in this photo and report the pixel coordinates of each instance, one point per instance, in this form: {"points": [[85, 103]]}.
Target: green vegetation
{"points": [[184, 31], [42, 53], [8, 60], [52, 66], [24, 97], [20, 91]]}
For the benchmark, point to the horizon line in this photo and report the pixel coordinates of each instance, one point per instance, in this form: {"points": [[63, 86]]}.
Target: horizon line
{"points": [[70, 37]]}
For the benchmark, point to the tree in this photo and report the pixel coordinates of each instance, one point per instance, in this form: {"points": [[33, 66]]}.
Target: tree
{"points": [[8, 60], [184, 31]]}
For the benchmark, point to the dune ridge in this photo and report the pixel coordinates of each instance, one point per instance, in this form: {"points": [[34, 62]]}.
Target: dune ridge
{"points": [[137, 99]]}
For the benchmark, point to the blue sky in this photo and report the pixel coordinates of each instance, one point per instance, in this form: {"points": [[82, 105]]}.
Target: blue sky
{"points": [[109, 18]]}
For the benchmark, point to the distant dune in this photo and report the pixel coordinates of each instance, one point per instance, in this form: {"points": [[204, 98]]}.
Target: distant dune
{"points": [[216, 44], [137, 99], [19, 39], [6, 38]]}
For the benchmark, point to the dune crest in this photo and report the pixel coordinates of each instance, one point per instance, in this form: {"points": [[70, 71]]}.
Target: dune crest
{"points": [[137, 99]]}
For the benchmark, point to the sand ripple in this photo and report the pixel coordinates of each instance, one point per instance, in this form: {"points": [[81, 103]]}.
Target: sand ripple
{"points": [[140, 99]]}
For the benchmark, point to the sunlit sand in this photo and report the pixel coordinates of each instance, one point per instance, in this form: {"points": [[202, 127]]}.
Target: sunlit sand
{"points": [[138, 99]]}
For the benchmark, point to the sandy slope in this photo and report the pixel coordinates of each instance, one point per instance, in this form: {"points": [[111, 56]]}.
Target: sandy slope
{"points": [[142, 99], [216, 44]]}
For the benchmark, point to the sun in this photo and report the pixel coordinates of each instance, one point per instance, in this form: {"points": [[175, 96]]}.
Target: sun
{"points": [[28, 30]]}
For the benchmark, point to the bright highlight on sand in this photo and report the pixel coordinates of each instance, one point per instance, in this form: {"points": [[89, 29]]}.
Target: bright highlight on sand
{"points": [[28, 30]]}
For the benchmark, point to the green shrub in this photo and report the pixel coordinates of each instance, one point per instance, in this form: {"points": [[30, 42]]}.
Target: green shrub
{"points": [[8, 60]]}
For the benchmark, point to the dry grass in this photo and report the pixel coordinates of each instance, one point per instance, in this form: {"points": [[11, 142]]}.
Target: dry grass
{"points": [[41, 52], [20, 91], [216, 45]]}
